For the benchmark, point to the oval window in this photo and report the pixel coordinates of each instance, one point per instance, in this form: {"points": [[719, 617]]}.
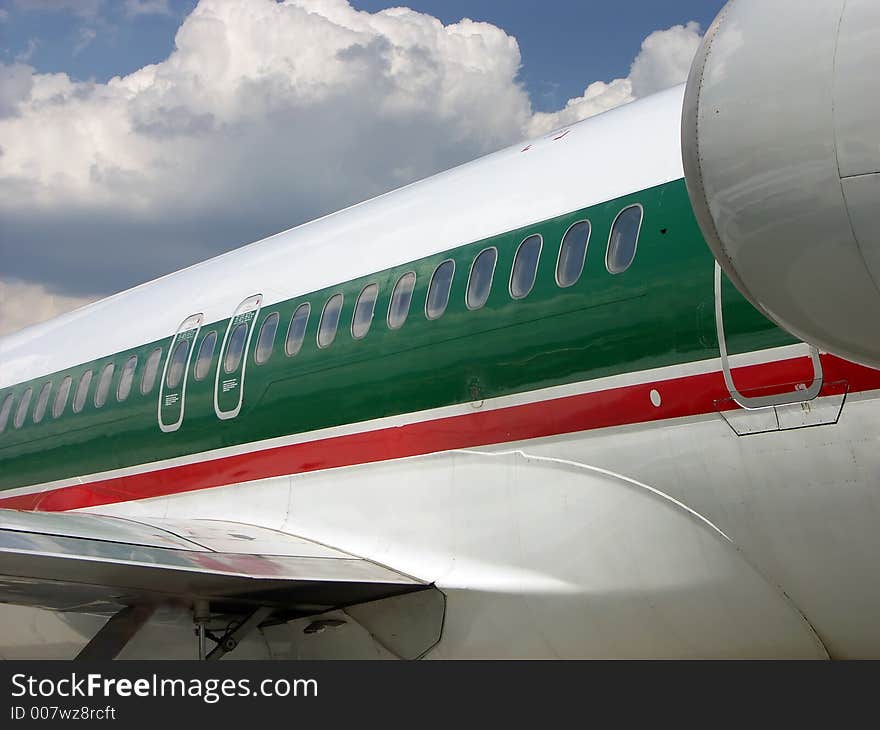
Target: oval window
{"points": [[42, 402], [363, 311], [623, 240], [126, 379], [177, 365], [480, 279], [61, 397], [104, 385], [151, 369], [572, 253], [438, 290], [23, 404], [82, 390], [296, 330], [206, 354], [4, 411], [525, 267], [266, 339], [235, 347], [398, 307], [329, 320]]}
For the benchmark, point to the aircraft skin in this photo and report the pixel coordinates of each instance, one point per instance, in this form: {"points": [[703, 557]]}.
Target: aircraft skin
{"points": [[569, 467]]}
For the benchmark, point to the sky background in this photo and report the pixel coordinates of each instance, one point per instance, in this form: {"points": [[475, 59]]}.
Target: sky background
{"points": [[140, 136]]}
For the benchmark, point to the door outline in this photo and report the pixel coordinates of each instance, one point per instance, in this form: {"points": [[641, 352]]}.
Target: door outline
{"points": [[248, 309], [190, 328], [765, 401]]}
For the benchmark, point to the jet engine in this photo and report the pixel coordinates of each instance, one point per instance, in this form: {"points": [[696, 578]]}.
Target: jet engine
{"points": [[781, 149]]}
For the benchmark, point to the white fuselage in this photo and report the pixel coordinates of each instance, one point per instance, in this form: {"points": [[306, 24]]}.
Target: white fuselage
{"points": [[673, 537]]}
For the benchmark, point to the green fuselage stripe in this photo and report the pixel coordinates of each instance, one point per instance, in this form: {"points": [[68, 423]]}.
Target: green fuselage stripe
{"points": [[659, 312]]}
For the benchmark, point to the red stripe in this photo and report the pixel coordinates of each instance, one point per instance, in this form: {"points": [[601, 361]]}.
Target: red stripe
{"points": [[685, 396]]}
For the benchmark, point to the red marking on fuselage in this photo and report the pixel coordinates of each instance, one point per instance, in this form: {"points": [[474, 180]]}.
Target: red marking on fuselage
{"points": [[631, 404]]}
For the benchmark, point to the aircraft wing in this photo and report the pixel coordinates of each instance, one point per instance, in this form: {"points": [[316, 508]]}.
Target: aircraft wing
{"points": [[76, 562]]}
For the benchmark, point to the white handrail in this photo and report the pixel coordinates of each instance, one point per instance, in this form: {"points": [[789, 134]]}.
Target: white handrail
{"points": [[765, 401]]}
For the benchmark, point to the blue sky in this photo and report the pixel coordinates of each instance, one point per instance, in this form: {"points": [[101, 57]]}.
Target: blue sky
{"points": [[564, 43]]}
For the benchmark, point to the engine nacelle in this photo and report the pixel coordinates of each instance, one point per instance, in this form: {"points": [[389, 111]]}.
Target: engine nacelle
{"points": [[781, 149]]}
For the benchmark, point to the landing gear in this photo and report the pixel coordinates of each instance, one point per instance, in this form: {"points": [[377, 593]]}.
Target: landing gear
{"points": [[201, 616], [234, 634]]}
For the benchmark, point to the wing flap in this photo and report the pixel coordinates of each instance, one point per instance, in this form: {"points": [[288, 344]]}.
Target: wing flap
{"points": [[96, 564]]}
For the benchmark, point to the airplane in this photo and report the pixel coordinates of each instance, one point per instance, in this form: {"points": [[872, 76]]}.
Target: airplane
{"points": [[612, 392]]}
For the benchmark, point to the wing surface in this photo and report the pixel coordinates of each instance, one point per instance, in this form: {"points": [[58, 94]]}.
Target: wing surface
{"points": [[97, 564]]}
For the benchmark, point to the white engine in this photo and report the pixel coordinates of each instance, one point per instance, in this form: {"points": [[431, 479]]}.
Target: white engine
{"points": [[781, 148]]}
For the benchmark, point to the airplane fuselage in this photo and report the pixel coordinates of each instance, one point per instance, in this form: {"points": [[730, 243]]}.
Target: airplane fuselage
{"points": [[557, 451]]}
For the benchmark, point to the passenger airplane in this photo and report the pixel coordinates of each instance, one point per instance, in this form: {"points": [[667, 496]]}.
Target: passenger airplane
{"points": [[514, 410]]}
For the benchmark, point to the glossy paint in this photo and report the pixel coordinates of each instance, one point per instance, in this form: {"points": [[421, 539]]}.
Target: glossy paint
{"points": [[657, 313], [629, 149], [785, 174], [568, 468]]}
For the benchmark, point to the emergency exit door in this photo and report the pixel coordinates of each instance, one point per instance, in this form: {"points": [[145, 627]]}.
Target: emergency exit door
{"points": [[172, 387], [232, 364]]}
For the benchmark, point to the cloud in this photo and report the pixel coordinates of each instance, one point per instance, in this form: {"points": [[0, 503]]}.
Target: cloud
{"points": [[264, 115], [16, 81], [663, 61], [147, 7], [84, 38], [599, 97], [26, 55], [23, 304], [4, 15]]}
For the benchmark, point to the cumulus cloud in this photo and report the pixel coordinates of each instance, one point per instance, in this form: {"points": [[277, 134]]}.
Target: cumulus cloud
{"points": [[663, 61], [264, 115], [16, 81], [23, 304]]}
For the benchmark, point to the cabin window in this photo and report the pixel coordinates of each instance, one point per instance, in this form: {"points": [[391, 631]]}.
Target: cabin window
{"points": [[401, 297], [572, 253], [151, 369], [438, 290], [206, 354], [42, 401], [23, 404], [82, 390], [480, 279], [266, 339], [4, 411], [525, 267], [104, 385], [177, 364], [61, 396], [235, 348], [126, 379], [329, 320], [296, 330], [363, 311], [623, 239]]}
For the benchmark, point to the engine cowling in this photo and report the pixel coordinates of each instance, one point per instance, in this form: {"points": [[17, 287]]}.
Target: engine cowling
{"points": [[781, 150]]}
